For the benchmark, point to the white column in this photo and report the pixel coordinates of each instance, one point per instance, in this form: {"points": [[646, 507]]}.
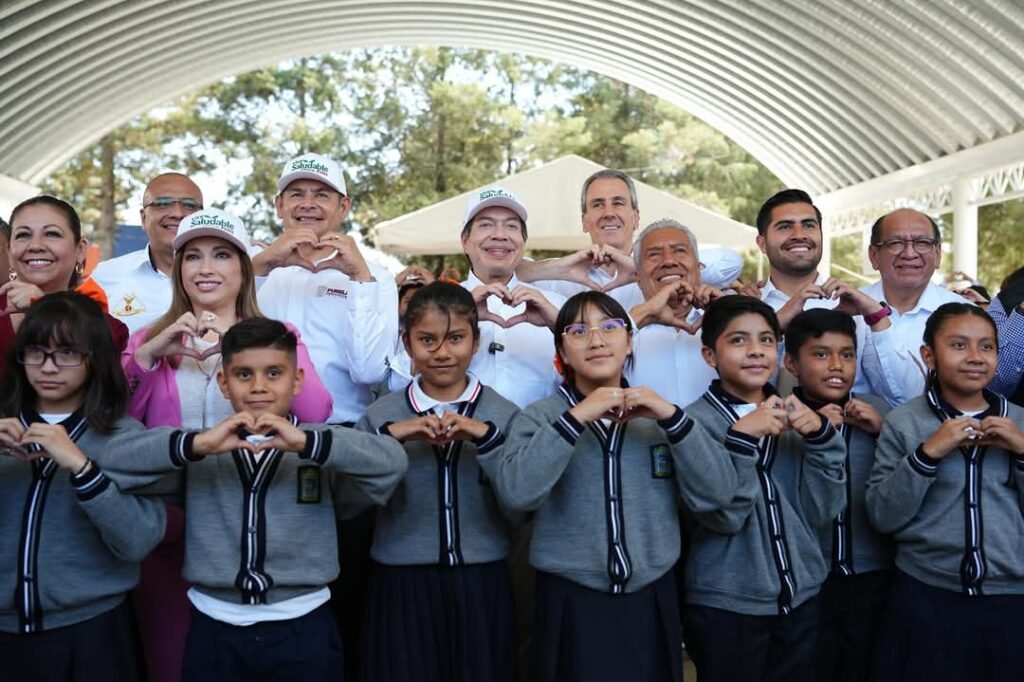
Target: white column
{"points": [[965, 227], [12, 193], [866, 268]]}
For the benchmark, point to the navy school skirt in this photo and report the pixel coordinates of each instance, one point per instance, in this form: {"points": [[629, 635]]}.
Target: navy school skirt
{"points": [[439, 624], [936, 635], [585, 635]]}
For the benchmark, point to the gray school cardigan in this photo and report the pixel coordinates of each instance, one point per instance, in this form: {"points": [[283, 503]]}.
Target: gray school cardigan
{"points": [[957, 521], [606, 497], [789, 490], [70, 545], [850, 544], [443, 512], [260, 531]]}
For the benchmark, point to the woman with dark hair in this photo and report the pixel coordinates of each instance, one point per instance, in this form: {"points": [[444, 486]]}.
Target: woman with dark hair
{"points": [[47, 254], [70, 543]]}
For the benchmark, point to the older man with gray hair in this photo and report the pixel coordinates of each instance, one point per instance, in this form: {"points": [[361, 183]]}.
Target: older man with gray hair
{"points": [[610, 213], [666, 347]]}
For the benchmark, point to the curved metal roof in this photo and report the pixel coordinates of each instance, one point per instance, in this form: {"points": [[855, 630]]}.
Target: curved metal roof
{"points": [[826, 94]]}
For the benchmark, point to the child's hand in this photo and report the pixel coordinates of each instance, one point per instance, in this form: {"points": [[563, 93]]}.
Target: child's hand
{"points": [[863, 416], [285, 436], [952, 434], [641, 401], [769, 419], [1004, 433], [223, 437], [602, 403], [833, 413], [11, 431], [426, 427], [455, 426], [802, 418], [57, 445]]}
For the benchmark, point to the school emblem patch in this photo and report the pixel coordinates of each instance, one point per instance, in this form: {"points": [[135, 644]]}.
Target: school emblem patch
{"points": [[661, 461]]}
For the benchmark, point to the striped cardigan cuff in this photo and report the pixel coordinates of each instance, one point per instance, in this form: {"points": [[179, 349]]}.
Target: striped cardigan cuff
{"points": [[568, 428], [741, 443], [823, 434], [677, 426], [90, 484], [385, 430], [1019, 463], [492, 439], [181, 448], [922, 463], [318, 446]]}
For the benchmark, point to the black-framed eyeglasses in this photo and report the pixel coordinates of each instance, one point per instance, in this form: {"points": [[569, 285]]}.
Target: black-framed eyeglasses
{"points": [[580, 333], [62, 357], [166, 203], [897, 245]]}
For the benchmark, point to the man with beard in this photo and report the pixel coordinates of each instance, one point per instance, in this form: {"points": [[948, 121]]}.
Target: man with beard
{"points": [[789, 234]]}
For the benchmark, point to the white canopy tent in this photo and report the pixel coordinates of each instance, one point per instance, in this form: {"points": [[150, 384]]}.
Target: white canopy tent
{"points": [[551, 194]]}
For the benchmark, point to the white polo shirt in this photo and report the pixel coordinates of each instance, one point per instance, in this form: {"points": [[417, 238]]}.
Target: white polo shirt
{"points": [[669, 362], [518, 362], [892, 358], [349, 327], [136, 291]]}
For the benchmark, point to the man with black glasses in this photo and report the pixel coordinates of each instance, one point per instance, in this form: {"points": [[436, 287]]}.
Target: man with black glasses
{"points": [[138, 284], [906, 247]]}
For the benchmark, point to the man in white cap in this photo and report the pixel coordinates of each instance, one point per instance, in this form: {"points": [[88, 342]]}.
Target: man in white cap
{"points": [[346, 311], [317, 279], [610, 214], [516, 343], [138, 284]]}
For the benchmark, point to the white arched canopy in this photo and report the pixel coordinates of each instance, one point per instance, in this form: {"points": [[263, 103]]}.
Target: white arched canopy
{"points": [[827, 95]]}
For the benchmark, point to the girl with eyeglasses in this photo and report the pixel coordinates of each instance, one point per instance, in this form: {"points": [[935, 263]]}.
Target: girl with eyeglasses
{"points": [[70, 541], [602, 464], [440, 605], [948, 484]]}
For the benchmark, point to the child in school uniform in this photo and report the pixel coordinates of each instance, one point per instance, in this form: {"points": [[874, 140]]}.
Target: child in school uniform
{"points": [[754, 569], [948, 483], [70, 540], [440, 606], [821, 352], [602, 464], [261, 494]]}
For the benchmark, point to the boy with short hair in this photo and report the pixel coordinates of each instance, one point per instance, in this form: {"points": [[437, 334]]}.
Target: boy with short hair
{"points": [[261, 493], [754, 570], [821, 351]]}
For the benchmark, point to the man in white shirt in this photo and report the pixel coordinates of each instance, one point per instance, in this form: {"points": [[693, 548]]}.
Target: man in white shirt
{"points": [[316, 278], [610, 215], [138, 284], [517, 349], [666, 346], [906, 247]]}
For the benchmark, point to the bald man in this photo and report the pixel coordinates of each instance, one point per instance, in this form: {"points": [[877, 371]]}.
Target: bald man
{"points": [[138, 284]]}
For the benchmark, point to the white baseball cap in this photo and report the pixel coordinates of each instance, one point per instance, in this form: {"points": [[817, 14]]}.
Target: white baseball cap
{"points": [[493, 196], [313, 167], [211, 222]]}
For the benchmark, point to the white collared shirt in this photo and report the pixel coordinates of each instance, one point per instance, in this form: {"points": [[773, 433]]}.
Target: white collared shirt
{"points": [[518, 362], [244, 615], [669, 362], [348, 327], [421, 402], [776, 298], [892, 358], [137, 292]]}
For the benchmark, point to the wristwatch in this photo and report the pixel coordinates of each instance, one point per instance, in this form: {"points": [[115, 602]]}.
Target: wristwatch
{"points": [[879, 315]]}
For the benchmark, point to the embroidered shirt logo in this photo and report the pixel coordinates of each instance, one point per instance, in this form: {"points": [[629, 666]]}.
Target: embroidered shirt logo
{"points": [[129, 306], [330, 291]]}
